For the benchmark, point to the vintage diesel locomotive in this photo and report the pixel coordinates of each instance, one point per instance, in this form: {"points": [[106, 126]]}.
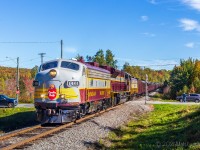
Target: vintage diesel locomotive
{"points": [[67, 89]]}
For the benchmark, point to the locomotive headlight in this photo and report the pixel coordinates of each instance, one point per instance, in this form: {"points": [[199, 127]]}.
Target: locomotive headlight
{"points": [[52, 73], [62, 96]]}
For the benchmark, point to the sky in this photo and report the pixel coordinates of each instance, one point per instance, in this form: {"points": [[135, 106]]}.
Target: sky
{"points": [[150, 33]]}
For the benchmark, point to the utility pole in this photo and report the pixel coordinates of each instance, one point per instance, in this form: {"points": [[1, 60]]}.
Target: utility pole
{"points": [[146, 87], [17, 81], [61, 44], [42, 56]]}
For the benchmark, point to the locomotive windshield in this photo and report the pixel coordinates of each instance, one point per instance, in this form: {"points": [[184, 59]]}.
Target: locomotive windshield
{"points": [[69, 65], [49, 65]]}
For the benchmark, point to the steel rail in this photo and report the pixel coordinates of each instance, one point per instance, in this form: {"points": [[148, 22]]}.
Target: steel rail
{"points": [[56, 129], [19, 132]]}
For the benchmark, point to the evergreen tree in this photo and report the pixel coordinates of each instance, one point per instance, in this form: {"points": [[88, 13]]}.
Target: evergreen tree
{"points": [[99, 57], [110, 61], [89, 58]]}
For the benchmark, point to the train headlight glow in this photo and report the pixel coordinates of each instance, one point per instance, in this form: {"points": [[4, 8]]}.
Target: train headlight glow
{"points": [[62, 96], [52, 73], [42, 95]]}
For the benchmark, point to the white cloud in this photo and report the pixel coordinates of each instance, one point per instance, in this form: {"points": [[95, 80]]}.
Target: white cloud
{"points": [[70, 49], [189, 24], [190, 45], [144, 18], [147, 34], [195, 4]]}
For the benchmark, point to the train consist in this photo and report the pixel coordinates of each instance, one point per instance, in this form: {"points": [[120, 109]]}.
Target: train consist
{"points": [[66, 90]]}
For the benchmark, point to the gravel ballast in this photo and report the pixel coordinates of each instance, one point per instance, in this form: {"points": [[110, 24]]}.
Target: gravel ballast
{"points": [[82, 136]]}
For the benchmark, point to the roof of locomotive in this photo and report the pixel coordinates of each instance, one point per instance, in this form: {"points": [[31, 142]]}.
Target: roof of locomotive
{"points": [[96, 68], [62, 59]]}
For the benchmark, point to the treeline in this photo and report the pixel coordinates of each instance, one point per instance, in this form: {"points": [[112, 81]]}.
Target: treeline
{"points": [[108, 58], [185, 78], [101, 58], [159, 76], [8, 82]]}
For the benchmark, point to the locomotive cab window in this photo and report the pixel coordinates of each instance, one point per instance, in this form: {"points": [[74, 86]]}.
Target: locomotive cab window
{"points": [[49, 65], [70, 65]]}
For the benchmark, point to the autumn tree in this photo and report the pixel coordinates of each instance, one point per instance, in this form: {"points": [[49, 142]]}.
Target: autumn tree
{"points": [[153, 75], [33, 71]]}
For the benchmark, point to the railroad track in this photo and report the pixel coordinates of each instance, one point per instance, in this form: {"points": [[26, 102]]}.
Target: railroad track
{"points": [[23, 138]]}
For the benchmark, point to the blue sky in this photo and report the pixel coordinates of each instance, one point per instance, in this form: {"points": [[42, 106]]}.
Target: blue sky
{"points": [[153, 33]]}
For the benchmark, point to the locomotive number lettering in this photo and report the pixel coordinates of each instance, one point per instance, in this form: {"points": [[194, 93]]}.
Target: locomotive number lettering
{"points": [[102, 93], [73, 83], [90, 94]]}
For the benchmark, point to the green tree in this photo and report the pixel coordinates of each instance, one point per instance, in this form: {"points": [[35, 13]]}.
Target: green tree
{"points": [[99, 57], [197, 84], [89, 58], [153, 75], [110, 61], [185, 89], [182, 77]]}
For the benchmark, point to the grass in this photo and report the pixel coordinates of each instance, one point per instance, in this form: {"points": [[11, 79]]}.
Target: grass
{"points": [[16, 118], [163, 100], [167, 127]]}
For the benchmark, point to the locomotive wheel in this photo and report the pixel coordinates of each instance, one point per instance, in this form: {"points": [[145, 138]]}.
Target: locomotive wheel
{"points": [[82, 111], [104, 104], [87, 108]]}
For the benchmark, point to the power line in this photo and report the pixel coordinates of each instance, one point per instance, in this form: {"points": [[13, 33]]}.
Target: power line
{"points": [[29, 42], [158, 65], [31, 59], [8, 59]]}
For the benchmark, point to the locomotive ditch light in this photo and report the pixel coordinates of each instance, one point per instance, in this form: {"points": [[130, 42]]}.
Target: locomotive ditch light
{"points": [[62, 96], [42, 95], [52, 73]]}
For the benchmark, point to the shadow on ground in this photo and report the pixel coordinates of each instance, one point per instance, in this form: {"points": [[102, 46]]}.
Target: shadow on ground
{"points": [[17, 121]]}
